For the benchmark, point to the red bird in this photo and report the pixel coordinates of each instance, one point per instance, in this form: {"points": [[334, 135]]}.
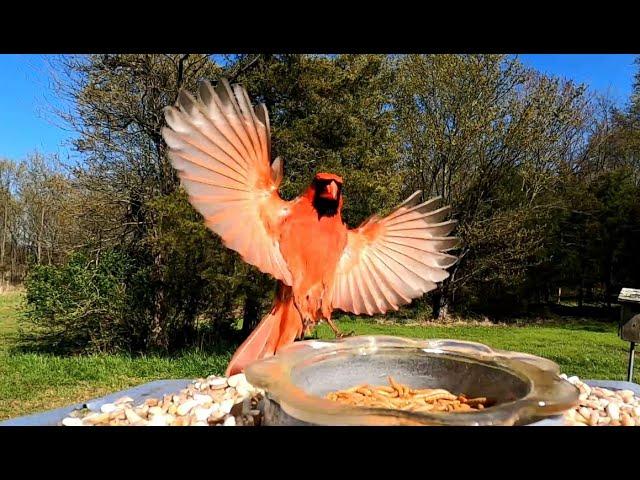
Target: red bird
{"points": [[221, 147]]}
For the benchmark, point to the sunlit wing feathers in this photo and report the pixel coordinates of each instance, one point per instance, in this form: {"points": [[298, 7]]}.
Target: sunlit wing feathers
{"points": [[390, 261], [220, 147]]}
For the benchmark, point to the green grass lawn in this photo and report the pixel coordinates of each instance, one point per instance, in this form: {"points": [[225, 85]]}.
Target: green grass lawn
{"points": [[31, 382]]}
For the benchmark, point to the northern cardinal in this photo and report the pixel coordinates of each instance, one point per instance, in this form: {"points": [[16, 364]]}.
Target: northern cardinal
{"points": [[221, 148]]}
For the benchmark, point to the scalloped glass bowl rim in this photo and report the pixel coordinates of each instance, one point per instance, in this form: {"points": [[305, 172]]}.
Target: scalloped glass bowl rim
{"points": [[548, 394]]}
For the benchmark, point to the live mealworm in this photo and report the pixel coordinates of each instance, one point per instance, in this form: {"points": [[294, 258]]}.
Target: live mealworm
{"points": [[402, 397]]}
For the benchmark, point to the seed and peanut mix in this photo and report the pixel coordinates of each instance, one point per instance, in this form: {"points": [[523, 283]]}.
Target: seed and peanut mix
{"points": [[214, 401], [220, 401], [602, 407]]}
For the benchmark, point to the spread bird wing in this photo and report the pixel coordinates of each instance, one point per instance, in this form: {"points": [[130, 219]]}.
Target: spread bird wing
{"points": [[220, 146], [389, 261]]}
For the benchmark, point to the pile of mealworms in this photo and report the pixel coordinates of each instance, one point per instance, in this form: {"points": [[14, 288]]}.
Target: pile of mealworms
{"points": [[401, 397]]}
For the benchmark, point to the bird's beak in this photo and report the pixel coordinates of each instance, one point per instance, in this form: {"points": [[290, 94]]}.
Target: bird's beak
{"points": [[332, 190]]}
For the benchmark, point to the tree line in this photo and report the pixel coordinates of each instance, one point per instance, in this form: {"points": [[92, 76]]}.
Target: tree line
{"points": [[543, 176]]}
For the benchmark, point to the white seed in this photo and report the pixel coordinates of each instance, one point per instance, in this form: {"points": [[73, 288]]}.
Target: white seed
{"points": [[72, 422], [598, 392], [244, 390], [95, 418], [132, 416], [216, 416], [585, 412], [627, 396], [184, 408], [201, 399], [226, 405], [156, 411], [613, 411], [236, 380], [160, 420], [108, 408], [217, 382], [579, 418], [202, 414]]}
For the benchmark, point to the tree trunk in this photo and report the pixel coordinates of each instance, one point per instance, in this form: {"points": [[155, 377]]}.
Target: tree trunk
{"points": [[12, 275], [439, 305], [158, 338], [581, 292], [609, 277], [547, 294], [40, 232], [250, 314], [4, 235], [608, 287]]}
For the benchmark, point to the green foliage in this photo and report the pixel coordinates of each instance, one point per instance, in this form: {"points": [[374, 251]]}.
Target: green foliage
{"points": [[204, 282], [544, 183], [81, 306], [490, 137], [332, 114]]}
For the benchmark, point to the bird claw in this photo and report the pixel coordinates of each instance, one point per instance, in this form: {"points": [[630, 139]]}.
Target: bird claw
{"points": [[345, 335]]}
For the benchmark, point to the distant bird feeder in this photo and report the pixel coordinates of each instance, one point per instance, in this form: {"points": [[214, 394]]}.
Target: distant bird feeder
{"points": [[629, 328]]}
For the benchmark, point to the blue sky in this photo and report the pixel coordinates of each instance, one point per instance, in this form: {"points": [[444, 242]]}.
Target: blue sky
{"points": [[606, 73], [27, 124]]}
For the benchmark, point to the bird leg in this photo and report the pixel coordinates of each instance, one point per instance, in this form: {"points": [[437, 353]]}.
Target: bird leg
{"points": [[336, 330], [307, 326]]}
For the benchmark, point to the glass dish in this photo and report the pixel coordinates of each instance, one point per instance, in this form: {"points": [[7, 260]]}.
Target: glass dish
{"points": [[524, 388]]}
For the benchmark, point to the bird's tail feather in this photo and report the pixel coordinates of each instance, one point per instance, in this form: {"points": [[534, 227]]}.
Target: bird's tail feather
{"points": [[279, 328]]}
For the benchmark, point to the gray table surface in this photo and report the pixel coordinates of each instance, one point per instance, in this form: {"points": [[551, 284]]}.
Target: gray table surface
{"points": [[163, 387]]}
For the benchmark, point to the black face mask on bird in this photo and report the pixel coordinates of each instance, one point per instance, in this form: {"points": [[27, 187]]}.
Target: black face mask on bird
{"points": [[327, 198]]}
